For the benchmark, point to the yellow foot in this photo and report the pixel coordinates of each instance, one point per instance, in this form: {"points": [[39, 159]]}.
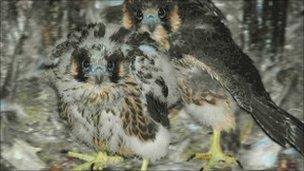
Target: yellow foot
{"points": [[216, 160], [144, 165], [95, 161]]}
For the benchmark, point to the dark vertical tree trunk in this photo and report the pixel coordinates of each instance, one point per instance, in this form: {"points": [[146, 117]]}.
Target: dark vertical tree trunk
{"points": [[279, 17], [264, 26], [250, 23], [267, 25]]}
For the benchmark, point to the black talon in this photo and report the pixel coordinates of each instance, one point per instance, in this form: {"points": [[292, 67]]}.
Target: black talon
{"points": [[64, 151], [191, 157], [92, 167], [240, 164]]}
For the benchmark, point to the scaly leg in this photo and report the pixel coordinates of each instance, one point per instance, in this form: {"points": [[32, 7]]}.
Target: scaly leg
{"points": [[216, 157], [144, 165], [100, 160]]}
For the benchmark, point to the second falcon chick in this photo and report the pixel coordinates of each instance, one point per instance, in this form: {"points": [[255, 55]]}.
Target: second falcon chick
{"points": [[205, 101], [195, 28]]}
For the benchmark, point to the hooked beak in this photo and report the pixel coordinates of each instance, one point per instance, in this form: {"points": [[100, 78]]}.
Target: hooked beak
{"points": [[99, 73], [151, 20]]}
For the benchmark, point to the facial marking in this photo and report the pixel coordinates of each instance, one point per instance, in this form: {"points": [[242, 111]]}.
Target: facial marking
{"points": [[160, 35], [80, 62], [175, 20], [127, 18], [114, 66]]}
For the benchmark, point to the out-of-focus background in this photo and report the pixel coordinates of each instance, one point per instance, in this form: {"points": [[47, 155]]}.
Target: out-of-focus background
{"points": [[33, 136]]}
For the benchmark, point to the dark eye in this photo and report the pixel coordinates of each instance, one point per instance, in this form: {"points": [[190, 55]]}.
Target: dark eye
{"points": [[85, 64], [162, 13], [139, 14], [111, 66]]}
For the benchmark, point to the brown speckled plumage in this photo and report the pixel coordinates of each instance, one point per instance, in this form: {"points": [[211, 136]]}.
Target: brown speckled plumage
{"points": [[105, 93]]}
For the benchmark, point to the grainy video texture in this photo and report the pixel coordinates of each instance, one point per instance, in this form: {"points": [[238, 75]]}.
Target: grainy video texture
{"points": [[34, 137]]}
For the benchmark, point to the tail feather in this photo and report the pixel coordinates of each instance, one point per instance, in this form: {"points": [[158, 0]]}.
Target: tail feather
{"points": [[279, 125]]}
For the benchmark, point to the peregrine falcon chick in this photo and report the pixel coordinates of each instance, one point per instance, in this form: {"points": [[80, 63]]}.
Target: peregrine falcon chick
{"points": [[113, 95]]}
